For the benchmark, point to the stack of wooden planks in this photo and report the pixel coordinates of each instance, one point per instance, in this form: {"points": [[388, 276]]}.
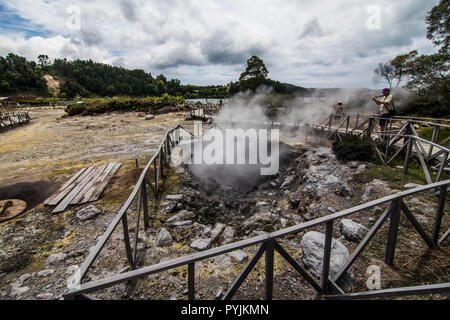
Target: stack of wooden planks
{"points": [[85, 186]]}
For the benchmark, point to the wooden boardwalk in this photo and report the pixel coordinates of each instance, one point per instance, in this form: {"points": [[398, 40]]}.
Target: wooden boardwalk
{"points": [[13, 119], [85, 186]]}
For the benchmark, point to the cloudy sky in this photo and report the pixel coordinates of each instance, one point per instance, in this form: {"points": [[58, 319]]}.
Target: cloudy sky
{"points": [[311, 43]]}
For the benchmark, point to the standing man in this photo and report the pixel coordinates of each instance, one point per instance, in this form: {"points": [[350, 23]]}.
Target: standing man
{"points": [[338, 112], [387, 109]]}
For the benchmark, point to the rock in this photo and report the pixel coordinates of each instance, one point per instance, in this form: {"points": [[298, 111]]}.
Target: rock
{"points": [[312, 245], [315, 212], [344, 191], [174, 197], [378, 210], [227, 235], [19, 282], [45, 296], [89, 212], [351, 230], [264, 221], [261, 206], [215, 233], [16, 286], [288, 181], [56, 258], [353, 164], [72, 269], [201, 244], [331, 209], [331, 181], [238, 255], [368, 193], [412, 185], [45, 273], [149, 117], [164, 238], [182, 215]]}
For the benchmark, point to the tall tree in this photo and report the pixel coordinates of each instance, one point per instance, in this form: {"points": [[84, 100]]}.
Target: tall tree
{"points": [[254, 75]]}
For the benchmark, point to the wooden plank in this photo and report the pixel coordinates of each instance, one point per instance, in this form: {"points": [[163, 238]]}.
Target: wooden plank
{"points": [[67, 184], [97, 172], [102, 186], [61, 196], [72, 194], [96, 183]]}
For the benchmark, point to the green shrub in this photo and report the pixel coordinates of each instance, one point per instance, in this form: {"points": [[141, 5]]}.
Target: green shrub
{"points": [[75, 109], [354, 148]]}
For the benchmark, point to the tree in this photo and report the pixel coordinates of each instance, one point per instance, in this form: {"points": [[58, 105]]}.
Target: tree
{"points": [[395, 71], [254, 75], [43, 60], [438, 21]]}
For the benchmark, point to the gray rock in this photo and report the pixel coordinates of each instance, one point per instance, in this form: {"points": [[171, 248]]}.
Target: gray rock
{"points": [[351, 230], [378, 210], [265, 221], [344, 191], [288, 181], [19, 282], [164, 238], [89, 212], [313, 248], [412, 185], [180, 216], [238, 255], [174, 197], [315, 212], [215, 233], [227, 235], [261, 206], [369, 192], [56, 258], [45, 273], [16, 286], [45, 296], [331, 209], [149, 117], [201, 244]]}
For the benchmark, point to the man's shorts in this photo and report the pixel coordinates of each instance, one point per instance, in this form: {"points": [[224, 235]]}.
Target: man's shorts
{"points": [[384, 118]]}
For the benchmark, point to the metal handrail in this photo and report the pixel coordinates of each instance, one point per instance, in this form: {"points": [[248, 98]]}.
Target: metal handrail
{"points": [[393, 210]]}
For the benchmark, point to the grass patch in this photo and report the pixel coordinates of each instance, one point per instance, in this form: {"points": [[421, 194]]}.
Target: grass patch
{"points": [[427, 133]]}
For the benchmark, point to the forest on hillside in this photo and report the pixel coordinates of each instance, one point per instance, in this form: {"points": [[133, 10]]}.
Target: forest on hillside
{"points": [[86, 78]]}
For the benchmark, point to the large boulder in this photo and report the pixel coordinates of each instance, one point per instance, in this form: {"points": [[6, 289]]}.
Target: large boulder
{"points": [[313, 248]]}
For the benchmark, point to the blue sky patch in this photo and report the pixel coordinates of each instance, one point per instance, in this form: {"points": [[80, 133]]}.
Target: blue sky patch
{"points": [[11, 22]]}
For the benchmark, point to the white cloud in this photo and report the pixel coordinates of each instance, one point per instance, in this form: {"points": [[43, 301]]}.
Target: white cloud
{"points": [[307, 43]]}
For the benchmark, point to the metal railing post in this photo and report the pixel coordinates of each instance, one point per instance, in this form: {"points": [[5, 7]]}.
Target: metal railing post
{"points": [[126, 237], [439, 214], [145, 204], [269, 270], [191, 281], [392, 233]]}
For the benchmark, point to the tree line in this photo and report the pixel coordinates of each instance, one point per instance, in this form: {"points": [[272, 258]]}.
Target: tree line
{"points": [[87, 78]]}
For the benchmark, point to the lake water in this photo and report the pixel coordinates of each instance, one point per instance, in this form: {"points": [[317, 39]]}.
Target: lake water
{"points": [[207, 100]]}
